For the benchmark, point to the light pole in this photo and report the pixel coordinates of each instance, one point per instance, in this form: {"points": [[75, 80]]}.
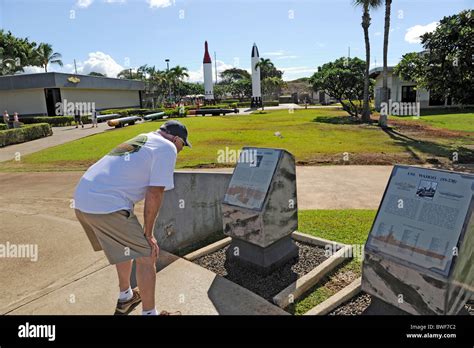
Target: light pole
{"points": [[168, 76]]}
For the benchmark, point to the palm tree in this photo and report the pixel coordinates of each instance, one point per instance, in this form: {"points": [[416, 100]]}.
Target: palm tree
{"points": [[265, 65], [367, 5], [45, 56], [176, 75], [388, 5]]}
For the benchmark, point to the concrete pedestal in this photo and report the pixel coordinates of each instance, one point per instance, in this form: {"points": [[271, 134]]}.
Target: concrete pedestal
{"points": [[263, 260]]}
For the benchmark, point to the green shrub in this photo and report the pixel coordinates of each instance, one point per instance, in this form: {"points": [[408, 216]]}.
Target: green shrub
{"points": [[26, 133], [55, 121], [173, 113], [130, 112], [219, 106], [3, 126], [229, 101]]}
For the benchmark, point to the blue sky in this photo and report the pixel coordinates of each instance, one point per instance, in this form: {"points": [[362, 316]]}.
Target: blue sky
{"points": [[299, 35]]}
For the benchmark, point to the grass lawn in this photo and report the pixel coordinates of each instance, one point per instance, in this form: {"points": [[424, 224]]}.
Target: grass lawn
{"points": [[301, 132], [463, 122], [346, 226], [314, 136]]}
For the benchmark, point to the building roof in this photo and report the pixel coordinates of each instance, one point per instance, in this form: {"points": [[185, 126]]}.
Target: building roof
{"points": [[378, 70], [62, 80]]}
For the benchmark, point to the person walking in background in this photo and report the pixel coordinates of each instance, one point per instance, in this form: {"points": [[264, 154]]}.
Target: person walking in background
{"points": [[16, 120], [6, 118], [77, 117], [94, 115]]}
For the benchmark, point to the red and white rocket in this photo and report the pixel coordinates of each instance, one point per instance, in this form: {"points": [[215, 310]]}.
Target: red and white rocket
{"points": [[207, 67], [256, 86]]}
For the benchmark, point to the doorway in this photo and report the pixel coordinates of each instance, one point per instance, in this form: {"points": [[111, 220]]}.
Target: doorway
{"points": [[52, 96]]}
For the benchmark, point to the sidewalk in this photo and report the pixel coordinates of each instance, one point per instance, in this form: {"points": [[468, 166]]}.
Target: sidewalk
{"points": [[60, 136]]}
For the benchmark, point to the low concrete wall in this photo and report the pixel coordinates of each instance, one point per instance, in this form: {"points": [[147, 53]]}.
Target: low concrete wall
{"points": [[192, 211]]}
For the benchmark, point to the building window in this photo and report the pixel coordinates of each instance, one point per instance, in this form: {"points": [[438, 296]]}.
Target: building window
{"points": [[408, 94]]}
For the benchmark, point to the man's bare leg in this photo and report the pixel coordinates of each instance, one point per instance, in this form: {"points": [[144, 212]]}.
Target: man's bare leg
{"points": [[146, 279], [124, 271]]}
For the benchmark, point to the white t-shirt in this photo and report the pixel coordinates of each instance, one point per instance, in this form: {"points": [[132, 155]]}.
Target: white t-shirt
{"points": [[120, 179]]}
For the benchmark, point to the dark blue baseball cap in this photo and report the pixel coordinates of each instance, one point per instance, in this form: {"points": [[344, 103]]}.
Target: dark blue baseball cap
{"points": [[176, 128]]}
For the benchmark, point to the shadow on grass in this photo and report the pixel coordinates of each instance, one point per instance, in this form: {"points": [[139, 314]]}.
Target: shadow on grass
{"points": [[429, 148], [337, 120]]}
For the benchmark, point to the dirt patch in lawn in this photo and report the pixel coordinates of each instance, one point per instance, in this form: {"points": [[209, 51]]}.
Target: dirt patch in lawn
{"points": [[424, 130], [361, 159]]}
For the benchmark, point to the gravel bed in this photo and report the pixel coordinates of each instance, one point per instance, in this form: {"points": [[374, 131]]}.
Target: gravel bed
{"points": [[359, 303], [266, 286], [354, 307]]}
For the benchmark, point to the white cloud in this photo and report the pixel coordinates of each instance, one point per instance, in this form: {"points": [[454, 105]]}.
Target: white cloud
{"points": [[413, 33], [274, 53], [115, 1], [286, 57], [84, 3], [97, 61], [280, 54], [294, 72], [100, 62], [32, 70], [159, 3]]}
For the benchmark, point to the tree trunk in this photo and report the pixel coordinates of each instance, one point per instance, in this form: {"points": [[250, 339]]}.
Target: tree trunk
{"points": [[365, 26], [384, 95]]}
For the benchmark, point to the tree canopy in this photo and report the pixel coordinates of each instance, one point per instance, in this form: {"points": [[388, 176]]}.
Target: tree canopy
{"points": [[446, 67], [17, 53], [343, 80]]}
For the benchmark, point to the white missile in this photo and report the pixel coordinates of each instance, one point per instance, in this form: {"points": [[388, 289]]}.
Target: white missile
{"points": [[207, 67], [256, 87]]}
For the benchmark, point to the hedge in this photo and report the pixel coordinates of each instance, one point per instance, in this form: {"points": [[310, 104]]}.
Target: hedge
{"points": [[55, 121], [3, 126], [130, 112], [26, 133], [265, 103]]}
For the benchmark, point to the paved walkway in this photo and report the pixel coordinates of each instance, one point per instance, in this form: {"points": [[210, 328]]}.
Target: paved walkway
{"points": [[60, 136], [35, 208]]}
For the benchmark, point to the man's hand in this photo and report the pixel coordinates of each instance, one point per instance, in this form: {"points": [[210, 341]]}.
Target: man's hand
{"points": [[155, 249], [153, 199]]}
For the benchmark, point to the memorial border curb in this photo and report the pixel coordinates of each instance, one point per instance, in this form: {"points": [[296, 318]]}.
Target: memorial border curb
{"points": [[337, 299]]}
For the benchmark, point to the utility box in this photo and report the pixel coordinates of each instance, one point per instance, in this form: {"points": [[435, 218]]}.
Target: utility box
{"points": [[260, 209]]}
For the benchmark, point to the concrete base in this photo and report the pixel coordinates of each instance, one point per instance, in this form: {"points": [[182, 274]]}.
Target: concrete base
{"points": [[379, 307], [180, 286], [256, 102], [263, 260]]}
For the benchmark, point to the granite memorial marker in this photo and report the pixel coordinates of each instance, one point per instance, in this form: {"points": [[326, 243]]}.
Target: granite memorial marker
{"points": [[420, 251], [260, 209]]}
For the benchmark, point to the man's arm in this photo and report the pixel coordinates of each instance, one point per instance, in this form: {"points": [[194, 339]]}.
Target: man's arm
{"points": [[153, 200]]}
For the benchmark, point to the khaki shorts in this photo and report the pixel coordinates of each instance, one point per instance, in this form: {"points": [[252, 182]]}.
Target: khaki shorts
{"points": [[119, 234]]}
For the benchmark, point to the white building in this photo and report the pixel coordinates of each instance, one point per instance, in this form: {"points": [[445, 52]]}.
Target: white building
{"points": [[38, 94], [402, 91]]}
